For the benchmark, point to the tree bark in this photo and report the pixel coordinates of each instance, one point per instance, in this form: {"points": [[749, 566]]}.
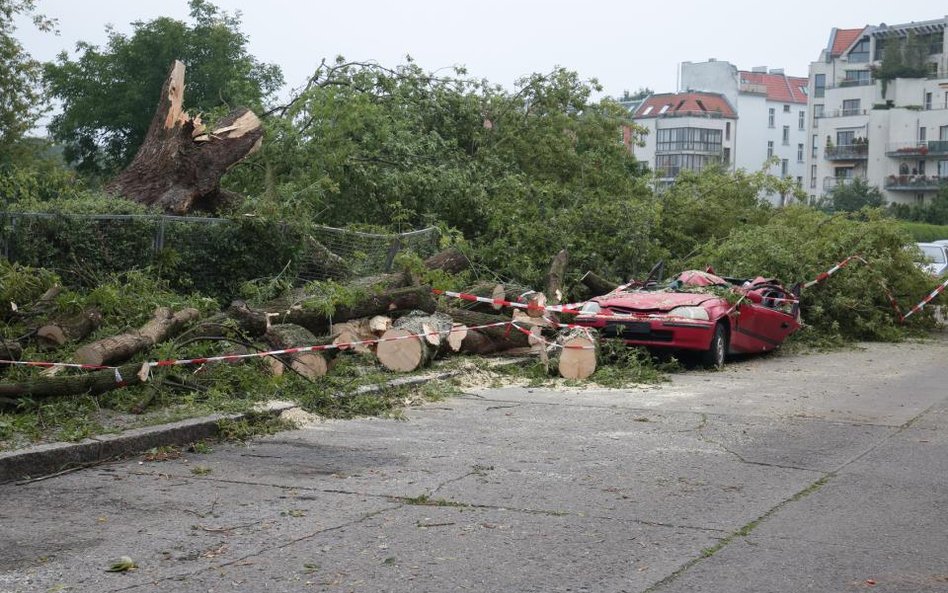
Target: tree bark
{"points": [[423, 337], [71, 329], [92, 383], [555, 278], [179, 165], [503, 337], [164, 325], [450, 260]]}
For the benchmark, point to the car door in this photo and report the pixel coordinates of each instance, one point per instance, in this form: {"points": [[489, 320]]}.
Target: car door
{"points": [[764, 320]]}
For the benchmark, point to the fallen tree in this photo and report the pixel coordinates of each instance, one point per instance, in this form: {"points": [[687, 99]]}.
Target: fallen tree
{"points": [[165, 324]]}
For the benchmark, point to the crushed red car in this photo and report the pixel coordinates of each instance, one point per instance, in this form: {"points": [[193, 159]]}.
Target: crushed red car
{"points": [[699, 312]]}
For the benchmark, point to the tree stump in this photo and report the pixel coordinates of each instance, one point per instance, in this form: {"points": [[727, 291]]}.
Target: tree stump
{"points": [[179, 165]]}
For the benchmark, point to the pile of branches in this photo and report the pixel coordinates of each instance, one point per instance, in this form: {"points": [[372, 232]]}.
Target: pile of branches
{"points": [[395, 318]]}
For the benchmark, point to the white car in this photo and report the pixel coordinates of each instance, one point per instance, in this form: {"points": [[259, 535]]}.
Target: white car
{"points": [[936, 257]]}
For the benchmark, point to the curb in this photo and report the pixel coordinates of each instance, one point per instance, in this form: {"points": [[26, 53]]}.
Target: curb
{"points": [[53, 458]]}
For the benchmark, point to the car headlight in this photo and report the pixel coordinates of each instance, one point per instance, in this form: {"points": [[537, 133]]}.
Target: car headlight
{"points": [[590, 308], [690, 313]]}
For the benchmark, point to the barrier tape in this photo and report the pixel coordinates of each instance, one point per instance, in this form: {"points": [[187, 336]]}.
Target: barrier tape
{"points": [[236, 357], [926, 300]]}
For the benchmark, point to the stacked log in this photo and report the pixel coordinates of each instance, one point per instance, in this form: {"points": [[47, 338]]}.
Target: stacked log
{"points": [[575, 353], [414, 341], [311, 364]]}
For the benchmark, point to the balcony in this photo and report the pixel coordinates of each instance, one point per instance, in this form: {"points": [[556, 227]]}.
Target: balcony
{"points": [[852, 82], [915, 182], [917, 149], [843, 112], [847, 152], [829, 183]]}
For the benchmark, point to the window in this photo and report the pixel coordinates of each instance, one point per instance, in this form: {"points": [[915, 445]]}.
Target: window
{"points": [[928, 101], [819, 85], [799, 181], [799, 153], [786, 109], [784, 167], [943, 169], [815, 146], [786, 135], [801, 121], [727, 130], [856, 78], [860, 52], [920, 199], [812, 176], [943, 133], [770, 148], [921, 167], [726, 156], [844, 172], [681, 139], [845, 138], [771, 117], [922, 132], [851, 107]]}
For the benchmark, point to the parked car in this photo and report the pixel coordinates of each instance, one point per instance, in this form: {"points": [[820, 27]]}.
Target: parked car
{"points": [[936, 257], [698, 312]]}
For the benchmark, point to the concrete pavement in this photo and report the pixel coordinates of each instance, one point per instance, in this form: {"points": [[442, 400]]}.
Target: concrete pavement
{"points": [[826, 472]]}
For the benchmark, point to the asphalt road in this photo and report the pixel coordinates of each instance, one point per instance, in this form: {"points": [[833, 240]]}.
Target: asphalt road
{"points": [[826, 472]]}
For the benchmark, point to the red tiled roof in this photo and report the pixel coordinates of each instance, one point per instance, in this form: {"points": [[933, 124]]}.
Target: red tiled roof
{"points": [[685, 104], [780, 88], [844, 38]]}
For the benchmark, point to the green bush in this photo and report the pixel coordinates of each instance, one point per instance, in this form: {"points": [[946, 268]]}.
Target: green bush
{"points": [[922, 232], [799, 243]]}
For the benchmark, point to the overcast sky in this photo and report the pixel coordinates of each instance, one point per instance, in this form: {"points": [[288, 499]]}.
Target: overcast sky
{"points": [[626, 45]]}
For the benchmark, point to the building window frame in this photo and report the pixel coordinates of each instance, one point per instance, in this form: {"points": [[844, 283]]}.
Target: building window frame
{"points": [[772, 117]]}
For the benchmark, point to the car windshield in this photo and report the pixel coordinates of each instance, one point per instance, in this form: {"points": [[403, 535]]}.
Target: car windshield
{"points": [[933, 253]]}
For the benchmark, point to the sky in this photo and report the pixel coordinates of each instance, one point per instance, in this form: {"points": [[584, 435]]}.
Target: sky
{"points": [[624, 44]]}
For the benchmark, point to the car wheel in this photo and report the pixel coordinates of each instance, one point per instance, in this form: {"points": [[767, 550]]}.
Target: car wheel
{"points": [[714, 356]]}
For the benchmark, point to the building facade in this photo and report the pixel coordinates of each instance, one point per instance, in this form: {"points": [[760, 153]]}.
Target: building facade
{"points": [[686, 132], [867, 120]]}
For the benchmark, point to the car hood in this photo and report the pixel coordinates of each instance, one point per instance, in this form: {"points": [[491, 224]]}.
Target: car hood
{"points": [[654, 301]]}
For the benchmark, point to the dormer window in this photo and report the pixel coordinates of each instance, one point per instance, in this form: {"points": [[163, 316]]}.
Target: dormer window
{"points": [[860, 52]]}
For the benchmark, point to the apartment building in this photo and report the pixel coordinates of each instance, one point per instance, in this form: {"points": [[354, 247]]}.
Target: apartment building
{"points": [[879, 111], [771, 108], [747, 118], [686, 131]]}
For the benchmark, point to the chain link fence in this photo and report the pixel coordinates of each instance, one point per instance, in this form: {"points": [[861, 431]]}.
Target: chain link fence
{"points": [[203, 252]]}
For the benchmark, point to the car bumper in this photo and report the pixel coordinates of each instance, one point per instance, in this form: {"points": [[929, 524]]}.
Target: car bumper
{"points": [[685, 334]]}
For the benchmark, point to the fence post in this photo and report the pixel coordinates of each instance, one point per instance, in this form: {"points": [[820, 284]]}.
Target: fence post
{"points": [[160, 236], [392, 252]]}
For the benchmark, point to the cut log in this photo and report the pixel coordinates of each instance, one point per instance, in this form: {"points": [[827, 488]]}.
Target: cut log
{"points": [[597, 284], [414, 341], [253, 322], [502, 337], [92, 383], [180, 163], [536, 301], [71, 329], [450, 260], [164, 325], [556, 277], [372, 303], [312, 364], [456, 337], [379, 324], [349, 332], [575, 353]]}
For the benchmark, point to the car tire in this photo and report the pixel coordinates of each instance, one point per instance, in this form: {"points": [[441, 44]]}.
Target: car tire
{"points": [[714, 356]]}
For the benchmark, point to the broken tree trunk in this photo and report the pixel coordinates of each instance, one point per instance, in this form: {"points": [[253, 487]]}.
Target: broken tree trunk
{"points": [[486, 340], [355, 331], [251, 321], [70, 329], [575, 353], [414, 341], [163, 325], [597, 284], [556, 277], [312, 364], [179, 165]]}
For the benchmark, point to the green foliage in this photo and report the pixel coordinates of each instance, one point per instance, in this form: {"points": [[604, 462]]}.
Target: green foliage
{"points": [[21, 96], [799, 243], [902, 58], [923, 233], [851, 197], [108, 95], [935, 212], [23, 285], [706, 206], [623, 366]]}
